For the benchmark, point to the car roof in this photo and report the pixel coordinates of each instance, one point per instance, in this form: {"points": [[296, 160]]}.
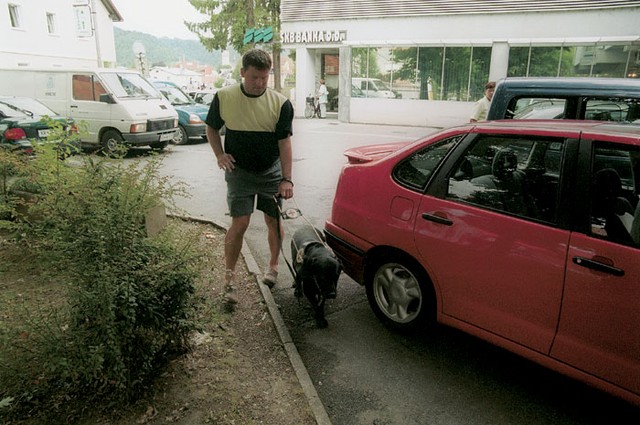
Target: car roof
{"points": [[551, 124], [567, 127], [572, 85]]}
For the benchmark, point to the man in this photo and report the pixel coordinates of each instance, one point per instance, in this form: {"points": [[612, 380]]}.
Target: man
{"points": [[323, 98], [480, 109], [256, 159]]}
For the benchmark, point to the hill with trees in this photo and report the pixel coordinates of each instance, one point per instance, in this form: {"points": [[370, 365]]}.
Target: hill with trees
{"points": [[162, 51]]}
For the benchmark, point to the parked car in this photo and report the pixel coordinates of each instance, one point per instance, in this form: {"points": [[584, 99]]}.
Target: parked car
{"points": [[117, 107], [601, 99], [523, 233], [204, 97], [374, 87], [23, 124], [191, 115]]}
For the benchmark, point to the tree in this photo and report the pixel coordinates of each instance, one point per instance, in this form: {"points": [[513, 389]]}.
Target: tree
{"points": [[228, 21]]}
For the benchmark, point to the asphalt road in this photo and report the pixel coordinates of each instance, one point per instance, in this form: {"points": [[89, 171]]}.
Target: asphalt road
{"points": [[364, 373]]}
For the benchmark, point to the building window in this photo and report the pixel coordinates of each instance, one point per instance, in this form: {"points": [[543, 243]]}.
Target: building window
{"points": [[596, 60], [51, 23], [14, 15], [434, 73]]}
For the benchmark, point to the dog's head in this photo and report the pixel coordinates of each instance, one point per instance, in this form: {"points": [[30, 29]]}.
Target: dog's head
{"points": [[325, 271]]}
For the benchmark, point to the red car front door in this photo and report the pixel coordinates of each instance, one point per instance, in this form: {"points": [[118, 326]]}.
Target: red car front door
{"points": [[493, 271]]}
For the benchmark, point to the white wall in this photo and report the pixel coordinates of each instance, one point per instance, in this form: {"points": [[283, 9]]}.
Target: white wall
{"points": [[305, 78], [32, 45], [420, 113]]}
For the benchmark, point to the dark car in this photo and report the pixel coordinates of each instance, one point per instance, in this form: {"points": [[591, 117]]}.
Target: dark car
{"points": [[23, 124], [191, 115], [600, 99], [523, 233]]}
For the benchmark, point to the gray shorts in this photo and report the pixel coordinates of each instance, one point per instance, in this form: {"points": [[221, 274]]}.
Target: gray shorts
{"points": [[243, 187]]}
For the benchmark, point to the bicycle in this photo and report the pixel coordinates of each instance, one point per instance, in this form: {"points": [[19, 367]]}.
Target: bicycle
{"points": [[312, 109]]}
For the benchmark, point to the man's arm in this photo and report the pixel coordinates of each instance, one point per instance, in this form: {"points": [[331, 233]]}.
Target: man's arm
{"points": [[285, 189], [475, 112], [225, 161]]}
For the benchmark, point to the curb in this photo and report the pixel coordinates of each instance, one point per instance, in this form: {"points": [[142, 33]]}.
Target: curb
{"points": [[319, 412]]}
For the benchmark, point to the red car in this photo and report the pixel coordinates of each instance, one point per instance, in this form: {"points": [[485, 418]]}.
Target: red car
{"points": [[523, 233]]}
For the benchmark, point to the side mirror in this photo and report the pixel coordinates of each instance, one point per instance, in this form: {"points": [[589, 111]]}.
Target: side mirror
{"points": [[107, 98]]}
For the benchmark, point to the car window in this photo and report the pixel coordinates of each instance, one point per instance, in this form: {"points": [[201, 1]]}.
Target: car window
{"points": [[535, 108], [619, 110], [174, 95], [615, 210], [512, 174], [21, 106], [414, 172], [8, 109], [85, 87]]}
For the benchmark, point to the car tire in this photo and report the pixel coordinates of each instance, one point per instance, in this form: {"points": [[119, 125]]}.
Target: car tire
{"points": [[112, 142], [182, 138], [399, 293]]}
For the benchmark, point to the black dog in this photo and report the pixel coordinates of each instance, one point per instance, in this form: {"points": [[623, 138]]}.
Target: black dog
{"points": [[317, 270]]}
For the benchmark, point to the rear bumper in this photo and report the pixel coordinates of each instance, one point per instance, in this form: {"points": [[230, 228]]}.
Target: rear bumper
{"points": [[352, 257]]}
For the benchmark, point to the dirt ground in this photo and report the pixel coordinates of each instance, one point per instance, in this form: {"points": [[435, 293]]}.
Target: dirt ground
{"points": [[237, 373]]}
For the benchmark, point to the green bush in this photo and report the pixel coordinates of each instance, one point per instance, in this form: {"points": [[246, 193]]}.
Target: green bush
{"points": [[127, 301]]}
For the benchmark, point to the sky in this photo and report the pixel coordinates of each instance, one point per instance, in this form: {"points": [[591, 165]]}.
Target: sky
{"points": [[162, 18]]}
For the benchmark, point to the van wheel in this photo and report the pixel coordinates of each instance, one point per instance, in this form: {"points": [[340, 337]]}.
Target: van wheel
{"points": [[181, 136], [111, 142]]}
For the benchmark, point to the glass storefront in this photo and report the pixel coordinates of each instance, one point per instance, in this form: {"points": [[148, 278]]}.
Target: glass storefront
{"points": [[459, 73]]}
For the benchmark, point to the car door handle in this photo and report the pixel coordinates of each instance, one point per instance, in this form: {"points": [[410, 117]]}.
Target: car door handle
{"points": [[437, 219], [73, 106], [598, 265]]}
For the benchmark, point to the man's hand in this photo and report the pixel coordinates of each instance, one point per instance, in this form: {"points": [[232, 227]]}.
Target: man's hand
{"points": [[226, 162], [285, 189]]}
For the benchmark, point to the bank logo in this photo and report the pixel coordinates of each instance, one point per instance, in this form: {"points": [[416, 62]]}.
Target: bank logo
{"points": [[258, 35]]}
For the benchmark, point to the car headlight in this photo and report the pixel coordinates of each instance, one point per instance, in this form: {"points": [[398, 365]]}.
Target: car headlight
{"points": [[194, 119], [138, 128]]}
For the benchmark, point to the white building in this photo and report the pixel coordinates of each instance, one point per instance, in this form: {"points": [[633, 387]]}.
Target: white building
{"points": [[57, 33], [183, 78], [436, 56]]}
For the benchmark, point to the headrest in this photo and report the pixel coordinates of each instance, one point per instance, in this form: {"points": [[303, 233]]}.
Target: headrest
{"points": [[505, 162]]}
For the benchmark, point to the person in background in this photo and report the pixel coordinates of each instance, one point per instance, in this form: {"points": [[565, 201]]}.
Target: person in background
{"points": [[480, 109], [323, 98], [256, 159]]}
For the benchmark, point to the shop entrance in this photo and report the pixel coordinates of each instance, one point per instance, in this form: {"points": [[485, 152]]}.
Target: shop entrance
{"points": [[330, 71]]}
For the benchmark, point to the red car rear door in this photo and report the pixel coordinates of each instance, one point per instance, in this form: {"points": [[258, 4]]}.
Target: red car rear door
{"points": [[599, 331]]}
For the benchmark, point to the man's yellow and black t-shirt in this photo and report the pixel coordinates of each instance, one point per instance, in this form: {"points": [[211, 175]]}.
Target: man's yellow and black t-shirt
{"points": [[254, 124]]}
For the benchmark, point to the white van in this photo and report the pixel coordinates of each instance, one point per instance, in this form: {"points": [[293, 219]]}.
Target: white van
{"points": [[373, 87], [119, 107]]}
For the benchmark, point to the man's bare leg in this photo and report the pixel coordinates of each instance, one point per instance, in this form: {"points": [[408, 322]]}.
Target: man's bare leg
{"points": [[232, 248], [274, 238]]}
